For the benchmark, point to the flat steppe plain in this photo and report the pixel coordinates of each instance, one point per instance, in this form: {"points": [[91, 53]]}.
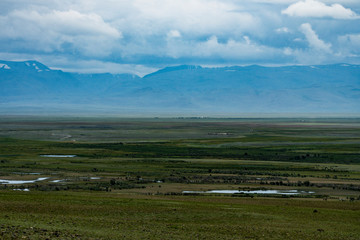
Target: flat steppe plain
{"points": [[123, 178]]}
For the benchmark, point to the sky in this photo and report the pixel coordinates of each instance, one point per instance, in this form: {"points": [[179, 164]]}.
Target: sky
{"points": [[141, 36]]}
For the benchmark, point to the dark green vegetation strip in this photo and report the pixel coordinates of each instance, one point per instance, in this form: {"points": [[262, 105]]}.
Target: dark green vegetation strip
{"points": [[332, 153], [310, 152]]}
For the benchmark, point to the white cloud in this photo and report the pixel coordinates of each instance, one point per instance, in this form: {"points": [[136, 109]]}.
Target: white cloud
{"points": [[190, 17], [230, 50], [173, 34], [314, 41], [294, 1], [313, 8], [351, 40], [283, 30], [56, 30], [149, 25], [318, 52], [288, 51], [349, 45], [247, 40]]}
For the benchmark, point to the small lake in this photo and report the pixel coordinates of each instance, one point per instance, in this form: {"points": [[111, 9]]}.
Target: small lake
{"points": [[56, 181], [2, 181], [280, 192], [23, 190], [58, 156]]}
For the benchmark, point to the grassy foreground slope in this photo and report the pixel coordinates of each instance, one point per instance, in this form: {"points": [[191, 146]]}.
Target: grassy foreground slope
{"points": [[93, 215], [127, 178]]}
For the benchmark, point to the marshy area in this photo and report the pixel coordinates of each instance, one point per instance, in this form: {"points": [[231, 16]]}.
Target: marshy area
{"points": [[179, 178]]}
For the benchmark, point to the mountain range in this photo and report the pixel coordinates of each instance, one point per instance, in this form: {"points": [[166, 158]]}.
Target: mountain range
{"points": [[32, 87]]}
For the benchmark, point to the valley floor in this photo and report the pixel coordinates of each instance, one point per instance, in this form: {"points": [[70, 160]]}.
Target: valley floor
{"points": [[93, 178]]}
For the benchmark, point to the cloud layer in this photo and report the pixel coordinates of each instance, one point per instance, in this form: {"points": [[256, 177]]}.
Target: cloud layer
{"points": [[59, 31], [313, 8], [313, 39], [157, 33]]}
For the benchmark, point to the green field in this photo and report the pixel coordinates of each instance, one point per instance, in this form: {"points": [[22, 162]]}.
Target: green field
{"points": [[128, 177]]}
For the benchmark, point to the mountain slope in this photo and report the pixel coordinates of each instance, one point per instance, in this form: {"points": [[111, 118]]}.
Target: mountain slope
{"points": [[328, 88]]}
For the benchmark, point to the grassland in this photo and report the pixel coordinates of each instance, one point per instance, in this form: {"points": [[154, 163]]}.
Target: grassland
{"points": [[128, 176]]}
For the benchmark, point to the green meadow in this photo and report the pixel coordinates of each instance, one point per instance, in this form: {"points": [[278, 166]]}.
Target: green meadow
{"points": [[118, 178]]}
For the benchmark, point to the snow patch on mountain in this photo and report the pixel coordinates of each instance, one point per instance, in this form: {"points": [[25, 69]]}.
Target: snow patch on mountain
{"points": [[39, 67], [4, 66]]}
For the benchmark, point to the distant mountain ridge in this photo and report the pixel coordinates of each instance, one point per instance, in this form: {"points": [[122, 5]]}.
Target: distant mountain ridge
{"points": [[174, 68], [30, 86]]}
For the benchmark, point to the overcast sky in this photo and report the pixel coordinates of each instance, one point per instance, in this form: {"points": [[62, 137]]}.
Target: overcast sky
{"points": [[140, 36]]}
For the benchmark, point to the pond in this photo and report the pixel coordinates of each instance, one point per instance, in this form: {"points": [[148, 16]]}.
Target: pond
{"points": [[280, 192], [57, 181], [58, 156], [3, 181], [23, 190]]}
